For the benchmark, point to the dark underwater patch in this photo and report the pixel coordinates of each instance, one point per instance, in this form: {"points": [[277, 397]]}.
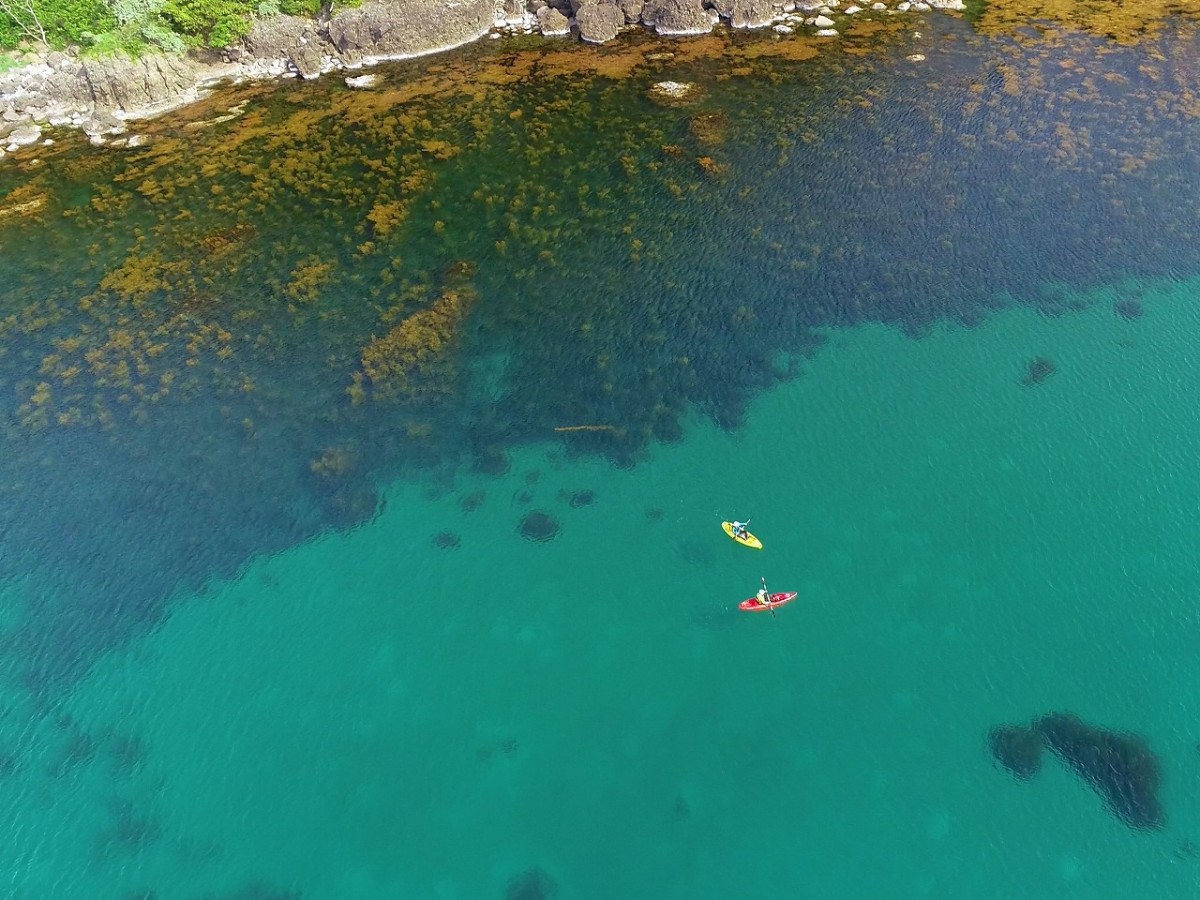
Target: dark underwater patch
{"points": [[257, 890], [1017, 748], [1128, 308], [1038, 371], [577, 499], [447, 540], [1118, 765], [539, 527], [532, 884]]}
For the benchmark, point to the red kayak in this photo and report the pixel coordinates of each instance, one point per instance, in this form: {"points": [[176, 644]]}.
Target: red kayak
{"points": [[752, 604]]}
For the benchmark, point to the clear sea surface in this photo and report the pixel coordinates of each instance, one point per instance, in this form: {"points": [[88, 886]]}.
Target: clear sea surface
{"points": [[274, 622]]}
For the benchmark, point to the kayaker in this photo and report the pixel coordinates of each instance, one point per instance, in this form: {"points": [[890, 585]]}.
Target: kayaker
{"points": [[763, 598], [739, 529]]}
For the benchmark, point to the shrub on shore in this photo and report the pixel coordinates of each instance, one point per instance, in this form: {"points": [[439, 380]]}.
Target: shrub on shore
{"points": [[137, 26]]}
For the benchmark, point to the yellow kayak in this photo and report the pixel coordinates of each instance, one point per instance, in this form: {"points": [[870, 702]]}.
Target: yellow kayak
{"points": [[748, 541]]}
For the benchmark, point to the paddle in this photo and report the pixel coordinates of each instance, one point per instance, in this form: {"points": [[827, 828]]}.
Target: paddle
{"points": [[770, 605]]}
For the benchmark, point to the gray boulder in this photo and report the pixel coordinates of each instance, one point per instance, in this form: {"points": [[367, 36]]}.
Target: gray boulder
{"points": [[678, 16], [117, 82], [307, 58], [277, 37], [40, 88], [512, 11], [552, 23], [401, 28], [751, 13], [632, 10], [599, 22]]}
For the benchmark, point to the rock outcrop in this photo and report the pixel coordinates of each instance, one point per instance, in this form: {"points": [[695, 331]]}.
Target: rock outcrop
{"points": [[402, 28], [632, 10], [552, 23], [751, 13], [276, 37], [129, 85], [679, 17], [599, 22]]}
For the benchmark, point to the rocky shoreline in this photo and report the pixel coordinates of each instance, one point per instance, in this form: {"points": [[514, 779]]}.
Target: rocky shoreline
{"points": [[101, 95]]}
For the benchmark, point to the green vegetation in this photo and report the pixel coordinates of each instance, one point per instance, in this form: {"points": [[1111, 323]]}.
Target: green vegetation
{"points": [[136, 26]]}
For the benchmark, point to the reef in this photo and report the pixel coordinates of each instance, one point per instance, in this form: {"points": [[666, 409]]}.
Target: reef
{"points": [[447, 540], [1017, 748], [414, 359], [127, 828], [491, 461], [505, 747], [257, 890], [472, 501], [1038, 370], [532, 884], [578, 499], [538, 526], [1128, 308], [1120, 766]]}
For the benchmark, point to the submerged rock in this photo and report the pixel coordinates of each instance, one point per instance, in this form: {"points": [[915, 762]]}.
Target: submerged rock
{"points": [[538, 526], [580, 499], [674, 93], [1119, 766], [447, 540], [22, 137], [1017, 748], [532, 884], [1038, 370], [1128, 308]]}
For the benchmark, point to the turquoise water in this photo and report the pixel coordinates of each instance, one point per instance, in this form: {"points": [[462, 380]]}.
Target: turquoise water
{"points": [[368, 716]]}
